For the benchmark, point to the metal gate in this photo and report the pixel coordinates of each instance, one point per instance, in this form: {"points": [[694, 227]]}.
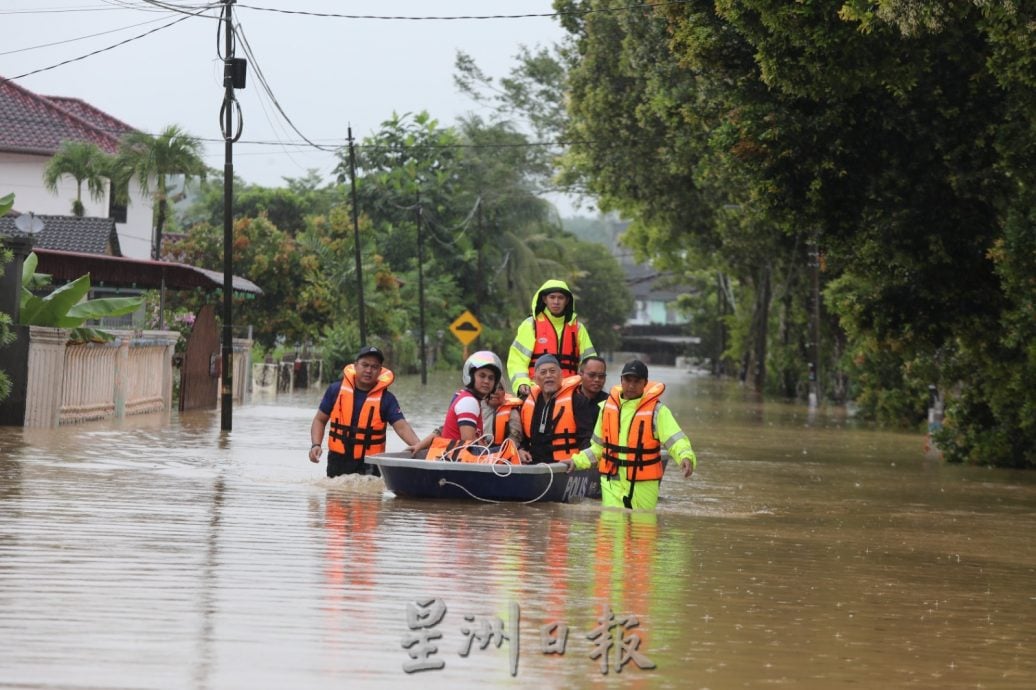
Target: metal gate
{"points": [[200, 374]]}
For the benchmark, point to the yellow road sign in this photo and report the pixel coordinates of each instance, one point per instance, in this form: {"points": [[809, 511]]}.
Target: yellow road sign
{"points": [[466, 327]]}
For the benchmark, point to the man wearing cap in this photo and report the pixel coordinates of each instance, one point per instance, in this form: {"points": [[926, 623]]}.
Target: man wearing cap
{"points": [[359, 408], [548, 420], [627, 444], [551, 330]]}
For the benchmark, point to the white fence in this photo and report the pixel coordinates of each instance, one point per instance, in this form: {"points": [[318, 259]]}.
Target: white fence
{"points": [[71, 383]]}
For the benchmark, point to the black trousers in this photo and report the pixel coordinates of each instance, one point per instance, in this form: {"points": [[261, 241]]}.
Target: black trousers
{"points": [[338, 464]]}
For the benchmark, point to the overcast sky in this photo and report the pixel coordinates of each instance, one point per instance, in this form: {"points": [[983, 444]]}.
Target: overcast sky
{"points": [[326, 72]]}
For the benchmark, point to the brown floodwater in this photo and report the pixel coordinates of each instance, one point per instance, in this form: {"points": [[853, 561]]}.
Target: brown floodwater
{"points": [[805, 552]]}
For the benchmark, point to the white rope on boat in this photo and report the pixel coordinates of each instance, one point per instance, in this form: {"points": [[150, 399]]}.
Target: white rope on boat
{"points": [[446, 482]]}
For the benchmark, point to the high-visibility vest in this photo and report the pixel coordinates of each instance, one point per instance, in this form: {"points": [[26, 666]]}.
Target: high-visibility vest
{"points": [[565, 347], [368, 436], [641, 455], [503, 416], [563, 443]]}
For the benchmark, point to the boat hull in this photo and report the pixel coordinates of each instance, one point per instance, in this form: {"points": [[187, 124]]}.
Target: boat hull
{"points": [[548, 482]]}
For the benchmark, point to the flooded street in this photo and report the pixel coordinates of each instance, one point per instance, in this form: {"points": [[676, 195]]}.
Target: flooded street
{"points": [[803, 553]]}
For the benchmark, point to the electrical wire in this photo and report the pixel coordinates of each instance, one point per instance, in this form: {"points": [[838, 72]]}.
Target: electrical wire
{"points": [[79, 38], [578, 13], [96, 52], [261, 78]]}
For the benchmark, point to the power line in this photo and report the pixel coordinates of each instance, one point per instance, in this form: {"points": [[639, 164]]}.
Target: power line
{"points": [[578, 13], [79, 38], [97, 52], [269, 91]]}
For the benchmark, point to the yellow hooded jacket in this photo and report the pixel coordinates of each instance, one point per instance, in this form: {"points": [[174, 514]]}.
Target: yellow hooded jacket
{"points": [[518, 359]]}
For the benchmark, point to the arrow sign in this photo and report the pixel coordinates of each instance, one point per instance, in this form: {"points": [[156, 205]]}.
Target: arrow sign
{"points": [[466, 327]]}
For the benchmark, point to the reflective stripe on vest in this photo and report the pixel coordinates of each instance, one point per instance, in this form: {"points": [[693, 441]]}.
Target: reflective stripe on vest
{"points": [[641, 455], [368, 436], [564, 442], [565, 348]]}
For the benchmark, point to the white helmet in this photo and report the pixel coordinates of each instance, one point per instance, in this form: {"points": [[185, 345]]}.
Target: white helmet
{"points": [[481, 360]]}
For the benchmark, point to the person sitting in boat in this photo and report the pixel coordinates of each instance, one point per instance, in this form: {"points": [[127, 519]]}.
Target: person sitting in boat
{"points": [[551, 330], [587, 399], [501, 414], [548, 420], [359, 408], [480, 375], [463, 436], [627, 444]]}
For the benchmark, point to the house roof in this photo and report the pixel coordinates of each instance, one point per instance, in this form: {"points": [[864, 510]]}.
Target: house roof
{"points": [[120, 271], [93, 115], [39, 124], [72, 234]]}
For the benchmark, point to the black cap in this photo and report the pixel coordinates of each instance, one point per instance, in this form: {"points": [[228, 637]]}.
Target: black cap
{"points": [[370, 350], [634, 367]]}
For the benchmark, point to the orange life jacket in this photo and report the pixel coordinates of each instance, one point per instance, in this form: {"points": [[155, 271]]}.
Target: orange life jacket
{"points": [[642, 453], [503, 416], [565, 348], [564, 443], [368, 436], [453, 450]]}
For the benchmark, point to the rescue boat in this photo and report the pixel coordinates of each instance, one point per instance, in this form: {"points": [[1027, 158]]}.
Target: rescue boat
{"points": [[409, 477]]}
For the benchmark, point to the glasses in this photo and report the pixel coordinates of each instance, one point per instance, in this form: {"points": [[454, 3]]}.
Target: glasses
{"points": [[596, 377]]}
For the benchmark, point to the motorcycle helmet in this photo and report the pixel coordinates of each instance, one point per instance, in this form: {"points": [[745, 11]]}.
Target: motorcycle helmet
{"points": [[481, 360]]}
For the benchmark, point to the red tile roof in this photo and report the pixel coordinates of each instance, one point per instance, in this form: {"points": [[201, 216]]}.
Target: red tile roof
{"points": [[30, 123], [94, 116]]}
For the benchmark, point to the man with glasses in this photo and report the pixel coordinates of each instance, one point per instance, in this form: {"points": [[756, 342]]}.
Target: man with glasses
{"points": [[359, 409], [587, 399]]}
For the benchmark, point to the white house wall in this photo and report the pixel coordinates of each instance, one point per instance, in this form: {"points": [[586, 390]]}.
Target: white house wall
{"points": [[22, 174]]}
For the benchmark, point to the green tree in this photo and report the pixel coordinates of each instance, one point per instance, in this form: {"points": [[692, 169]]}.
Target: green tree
{"points": [[6, 335], [896, 135], [266, 256], [67, 306], [603, 300], [286, 207], [83, 162], [152, 160]]}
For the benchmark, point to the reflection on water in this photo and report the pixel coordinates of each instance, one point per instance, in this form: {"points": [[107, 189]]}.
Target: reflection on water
{"points": [[806, 552]]}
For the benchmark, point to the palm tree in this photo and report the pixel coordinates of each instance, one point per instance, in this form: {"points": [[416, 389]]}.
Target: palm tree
{"points": [[147, 157], [83, 161]]}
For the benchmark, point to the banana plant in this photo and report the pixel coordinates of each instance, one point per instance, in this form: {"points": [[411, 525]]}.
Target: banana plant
{"points": [[65, 307]]}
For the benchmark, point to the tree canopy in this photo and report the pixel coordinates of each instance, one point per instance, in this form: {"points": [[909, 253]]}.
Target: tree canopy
{"points": [[881, 144]]}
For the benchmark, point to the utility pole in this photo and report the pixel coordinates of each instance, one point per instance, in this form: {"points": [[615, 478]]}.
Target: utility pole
{"points": [[356, 240], [814, 350], [420, 290], [233, 78]]}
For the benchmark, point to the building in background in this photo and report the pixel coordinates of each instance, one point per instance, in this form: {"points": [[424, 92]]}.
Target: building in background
{"points": [[32, 130]]}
